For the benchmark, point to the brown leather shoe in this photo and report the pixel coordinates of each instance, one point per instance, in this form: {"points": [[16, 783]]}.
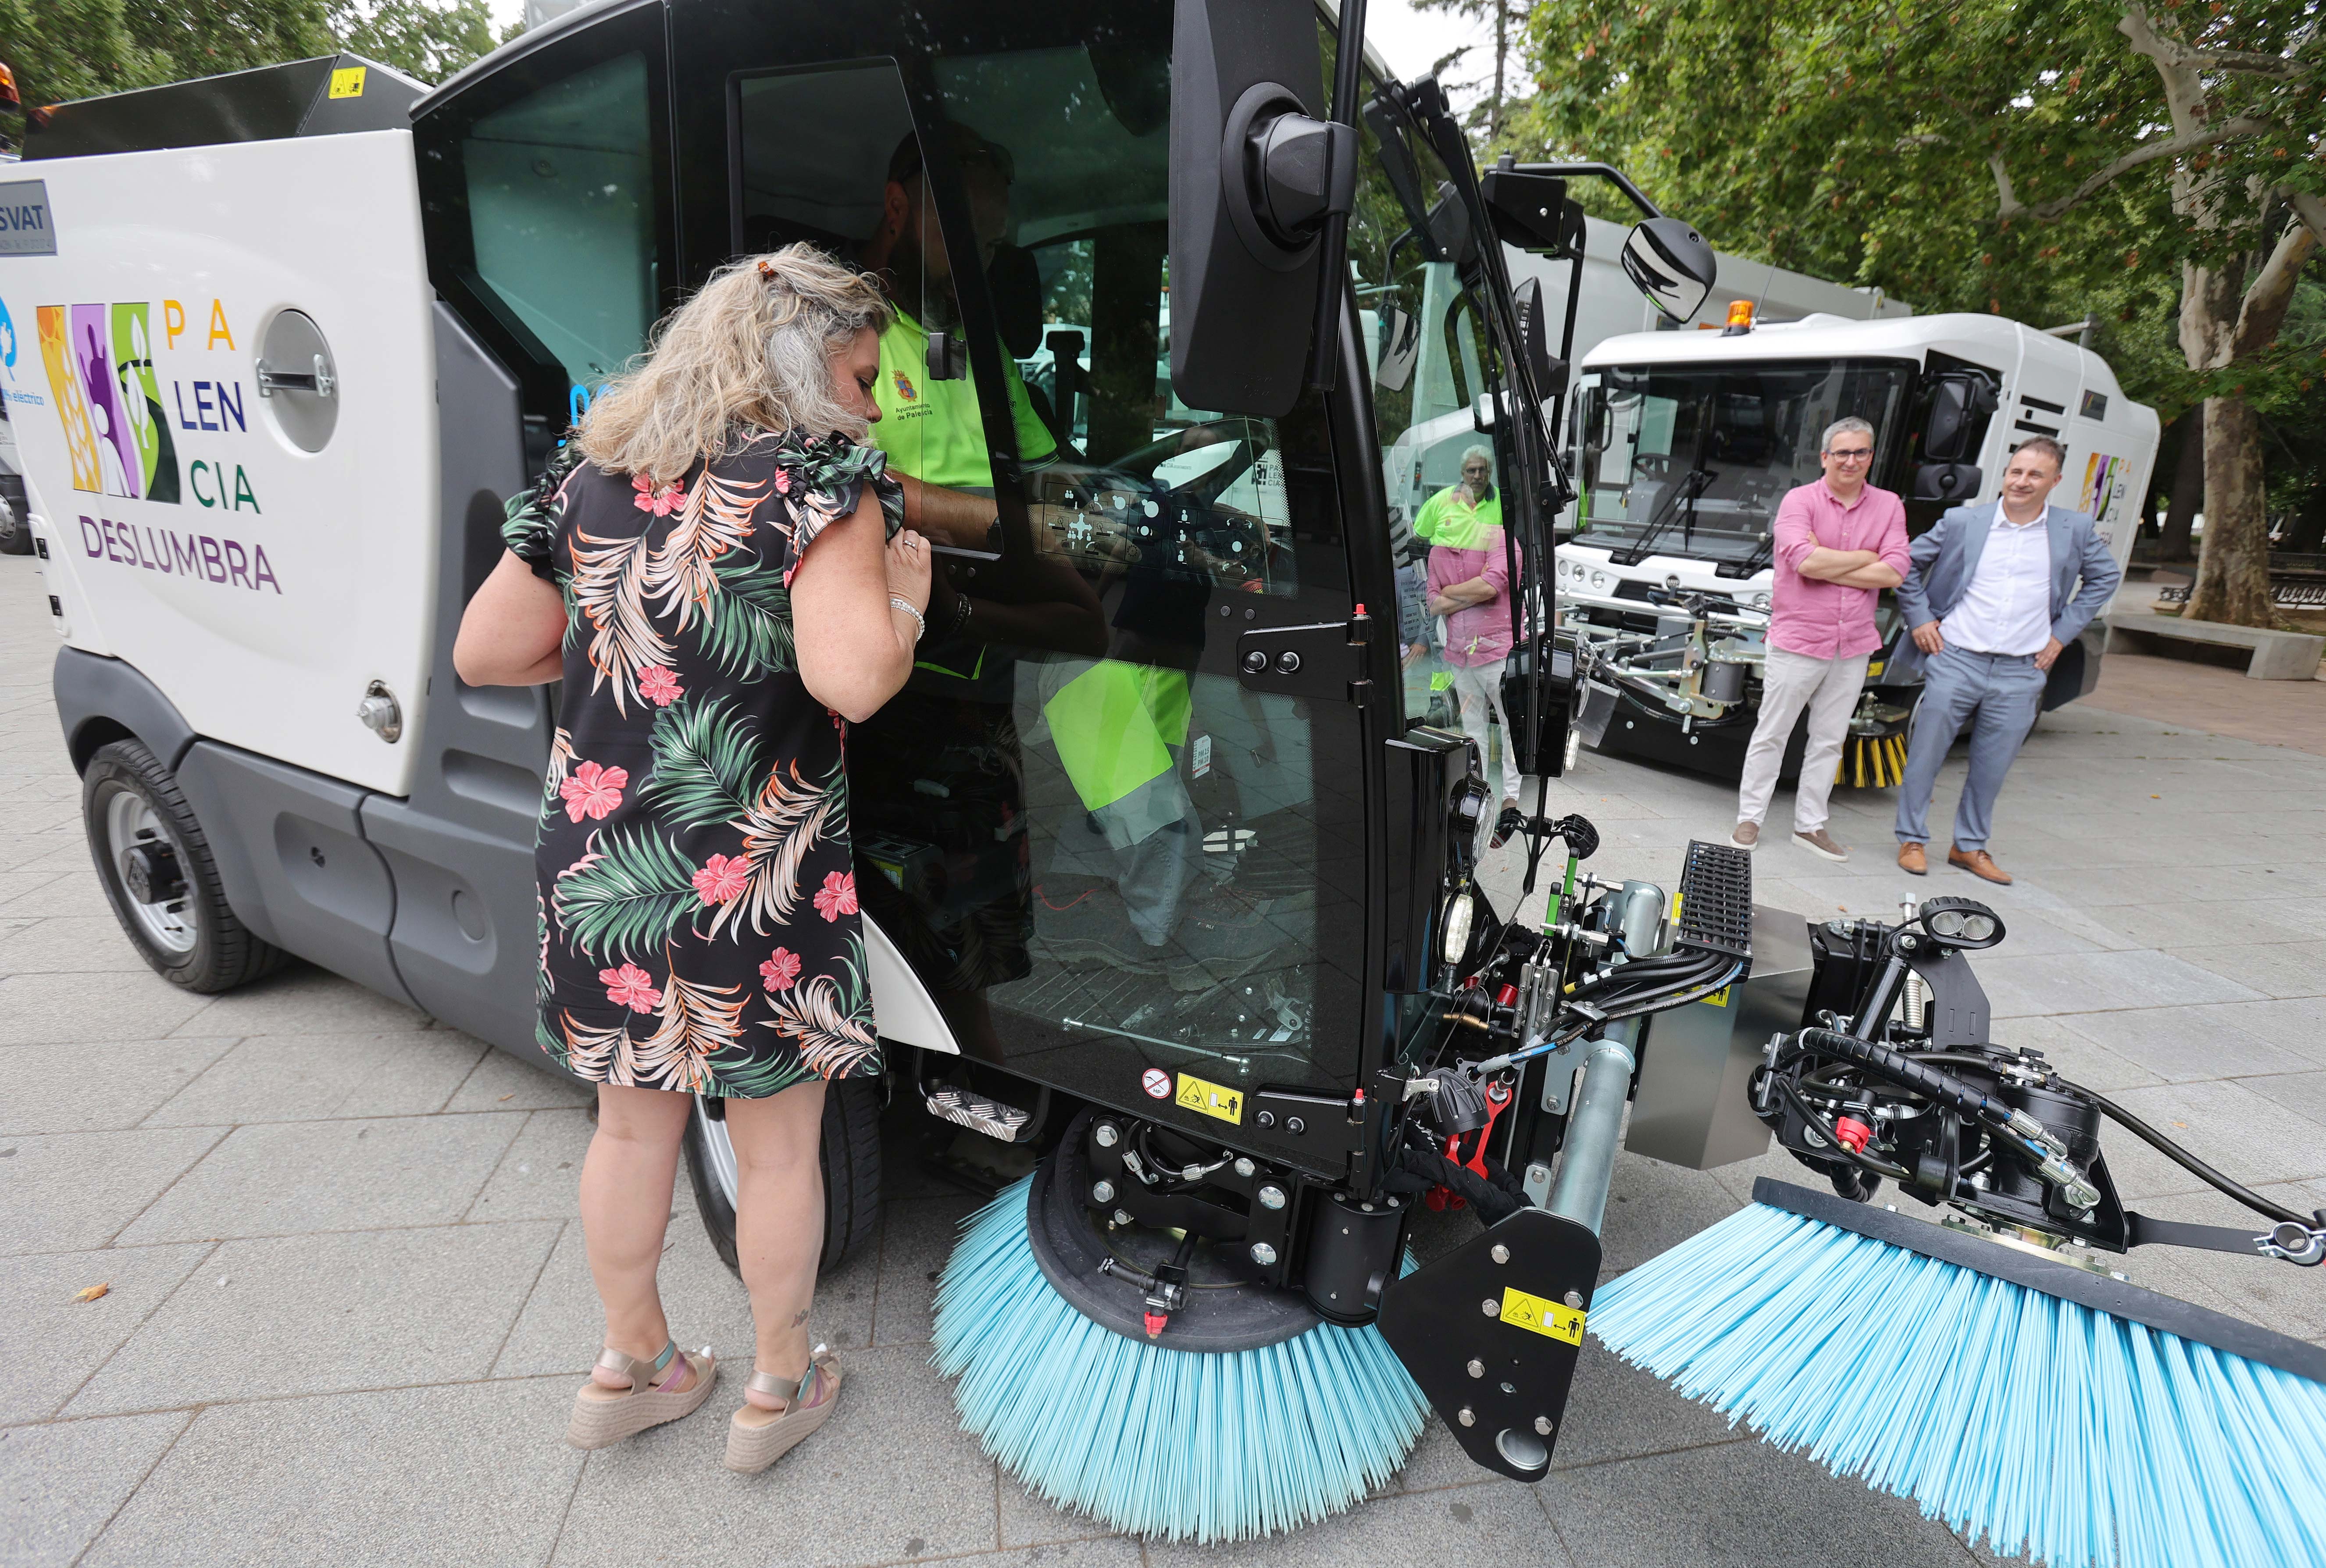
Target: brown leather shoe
{"points": [[1980, 864], [1911, 861]]}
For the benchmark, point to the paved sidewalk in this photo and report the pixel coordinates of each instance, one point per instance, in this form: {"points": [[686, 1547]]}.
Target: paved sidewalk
{"points": [[347, 1306]]}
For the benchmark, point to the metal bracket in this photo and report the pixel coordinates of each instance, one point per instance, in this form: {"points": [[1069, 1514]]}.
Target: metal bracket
{"points": [[1326, 660]]}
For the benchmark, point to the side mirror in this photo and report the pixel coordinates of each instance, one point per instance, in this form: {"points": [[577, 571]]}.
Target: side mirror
{"points": [[1671, 264], [1254, 178], [1530, 210], [1548, 372], [1959, 404]]}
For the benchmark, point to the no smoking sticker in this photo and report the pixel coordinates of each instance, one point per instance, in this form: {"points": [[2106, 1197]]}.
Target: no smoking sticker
{"points": [[1156, 1082]]}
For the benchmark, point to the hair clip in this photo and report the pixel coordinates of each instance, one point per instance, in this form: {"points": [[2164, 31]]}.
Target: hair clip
{"points": [[765, 272]]}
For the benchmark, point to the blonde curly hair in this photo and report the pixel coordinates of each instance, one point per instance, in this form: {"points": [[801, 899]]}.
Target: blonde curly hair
{"points": [[751, 350]]}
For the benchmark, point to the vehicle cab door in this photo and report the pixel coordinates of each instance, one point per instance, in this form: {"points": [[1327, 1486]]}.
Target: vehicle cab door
{"points": [[1119, 861]]}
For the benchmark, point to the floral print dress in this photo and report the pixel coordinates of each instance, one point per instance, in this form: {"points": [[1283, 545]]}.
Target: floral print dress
{"points": [[699, 921]]}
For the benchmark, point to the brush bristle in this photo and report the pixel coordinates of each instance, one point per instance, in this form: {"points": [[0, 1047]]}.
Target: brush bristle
{"points": [[1156, 1441], [2049, 1428]]}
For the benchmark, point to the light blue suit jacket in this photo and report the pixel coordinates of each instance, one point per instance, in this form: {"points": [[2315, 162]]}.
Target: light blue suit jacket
{"points": [[1941, 562]]}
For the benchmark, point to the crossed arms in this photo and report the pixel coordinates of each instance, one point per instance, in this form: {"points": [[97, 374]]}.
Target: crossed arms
{"points": [[1850, 567]]}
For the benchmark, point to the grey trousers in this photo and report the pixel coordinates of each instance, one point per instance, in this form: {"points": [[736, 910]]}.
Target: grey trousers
{"points": [[1999, 695]]}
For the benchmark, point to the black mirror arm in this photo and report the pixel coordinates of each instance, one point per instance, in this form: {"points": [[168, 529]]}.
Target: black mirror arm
{"points": [[1607, 171], [1340, 176]]}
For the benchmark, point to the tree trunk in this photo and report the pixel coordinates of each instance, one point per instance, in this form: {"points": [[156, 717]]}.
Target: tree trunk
{"points": [[2188, 488], [1502, 56], [2233, 567]]}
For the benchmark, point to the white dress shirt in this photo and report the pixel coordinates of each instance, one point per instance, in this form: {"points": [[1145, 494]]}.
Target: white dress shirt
{"points": [[2007, 607]]}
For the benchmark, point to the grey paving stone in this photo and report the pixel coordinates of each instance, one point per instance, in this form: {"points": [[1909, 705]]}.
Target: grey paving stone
{"points": [[282, 1178], [889, 1469], [2288, 968], [1742, 1504], [112, 1084], [2298, 1024], [500, 1082], [311, 1314], [916, 1238], [70, 944], [2303, 1093], [52, 1009], [269, 1077], [60, 1485], [474, 1473], [1652, 1207], [1489, 1521], [60, 1340], [2173, 926], [45, 894], [2237, 1132], [301, 999], [73, 1190], [1027, 1521], [2097, 982], [540, 1175], [2175, 1046]]}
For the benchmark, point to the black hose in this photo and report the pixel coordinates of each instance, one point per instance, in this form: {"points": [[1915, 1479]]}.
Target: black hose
{"points": [[1897, 1174], [2190, 1162]]}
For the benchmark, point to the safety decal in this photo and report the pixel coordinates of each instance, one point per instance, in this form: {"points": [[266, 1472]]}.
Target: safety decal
{"points": [[1211, 1098], [1718, 999], [1156, 1082], [1539, 1316], [347, 82]]}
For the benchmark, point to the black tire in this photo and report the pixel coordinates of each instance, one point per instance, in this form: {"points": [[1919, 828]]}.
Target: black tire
{"points": [[210, 949], [15, 533], [851, 1158]]}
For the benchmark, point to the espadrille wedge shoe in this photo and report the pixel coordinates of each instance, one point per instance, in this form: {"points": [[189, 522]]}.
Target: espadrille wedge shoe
{"points": [[604, 1416], [756, 1438]]}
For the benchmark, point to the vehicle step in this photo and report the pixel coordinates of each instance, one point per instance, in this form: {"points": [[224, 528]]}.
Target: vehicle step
{"points": [[976, 1112]]}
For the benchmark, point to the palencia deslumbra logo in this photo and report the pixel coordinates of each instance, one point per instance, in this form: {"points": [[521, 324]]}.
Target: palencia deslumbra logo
{"points": [[100, 364]]}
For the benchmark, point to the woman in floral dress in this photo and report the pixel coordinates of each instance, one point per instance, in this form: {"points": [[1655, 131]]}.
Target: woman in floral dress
{"points": [[714, 569]]}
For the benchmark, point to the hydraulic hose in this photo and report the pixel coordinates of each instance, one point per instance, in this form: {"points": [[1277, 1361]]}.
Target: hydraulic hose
{"points": [[2190, 1162]]}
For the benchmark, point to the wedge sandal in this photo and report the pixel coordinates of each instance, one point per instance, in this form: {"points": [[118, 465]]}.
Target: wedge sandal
{"points": [[604, 1416], [756, 1438]]}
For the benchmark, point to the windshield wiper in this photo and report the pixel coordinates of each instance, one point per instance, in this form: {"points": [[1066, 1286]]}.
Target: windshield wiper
{"points": [[1761, 553], [1697, 482]]}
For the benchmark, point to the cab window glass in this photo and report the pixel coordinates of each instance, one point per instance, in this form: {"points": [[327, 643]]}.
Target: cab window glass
{"points": [[562, 219], [828, 155]]}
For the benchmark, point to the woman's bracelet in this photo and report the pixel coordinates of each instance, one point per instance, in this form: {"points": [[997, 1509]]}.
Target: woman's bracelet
{"points": [[920, 624]]}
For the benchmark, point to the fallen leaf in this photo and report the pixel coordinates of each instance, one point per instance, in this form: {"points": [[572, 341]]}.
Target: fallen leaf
{"points": [[512, 1093], [93, 1292]]}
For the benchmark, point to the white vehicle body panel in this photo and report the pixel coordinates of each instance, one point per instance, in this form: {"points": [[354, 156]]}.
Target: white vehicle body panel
{"points": [[279, 583]]}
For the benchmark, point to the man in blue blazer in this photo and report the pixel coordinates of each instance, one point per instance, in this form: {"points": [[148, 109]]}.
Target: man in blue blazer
{"points": [[1991, 597]]}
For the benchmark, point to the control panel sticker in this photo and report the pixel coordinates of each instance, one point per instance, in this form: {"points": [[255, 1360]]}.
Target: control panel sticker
{"points": [[1539, 1316], [1211, 1100], [347, 82]]}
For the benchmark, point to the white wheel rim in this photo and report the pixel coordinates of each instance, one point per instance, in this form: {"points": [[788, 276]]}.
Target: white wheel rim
{"points": [[719, 1153], [130, 821]]}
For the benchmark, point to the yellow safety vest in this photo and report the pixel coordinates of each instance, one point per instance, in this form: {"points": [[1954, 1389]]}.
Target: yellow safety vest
{"points": [[932, 430]]}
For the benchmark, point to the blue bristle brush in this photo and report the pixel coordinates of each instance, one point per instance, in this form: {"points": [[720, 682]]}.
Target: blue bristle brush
{"points": [[1173, 1444], [2060, 1414]]}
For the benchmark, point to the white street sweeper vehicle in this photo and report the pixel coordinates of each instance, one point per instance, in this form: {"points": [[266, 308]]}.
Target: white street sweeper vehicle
{"points": [[301, 332], [1685, 442]]}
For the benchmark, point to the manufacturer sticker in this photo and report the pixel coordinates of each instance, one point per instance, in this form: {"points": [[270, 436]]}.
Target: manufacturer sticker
{"points": [[1210, 1098], [1156, 1082], [347, 82], [1539, 1316], [24, 226]]}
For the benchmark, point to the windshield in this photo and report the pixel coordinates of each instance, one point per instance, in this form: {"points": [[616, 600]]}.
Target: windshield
{"points": [[1748, 433]]}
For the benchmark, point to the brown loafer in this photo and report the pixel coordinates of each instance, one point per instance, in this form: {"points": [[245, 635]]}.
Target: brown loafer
{"points": [[1912, 860], [1980, 864]]}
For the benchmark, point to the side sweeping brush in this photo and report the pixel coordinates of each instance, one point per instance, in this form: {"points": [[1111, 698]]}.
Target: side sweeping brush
{"points": [[1182, 1445], [2055, 1411]]}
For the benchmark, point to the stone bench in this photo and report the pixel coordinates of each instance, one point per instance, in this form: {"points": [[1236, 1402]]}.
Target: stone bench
{"points": [[2275, 655]]}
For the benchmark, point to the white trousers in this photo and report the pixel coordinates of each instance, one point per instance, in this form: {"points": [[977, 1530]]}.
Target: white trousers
{"points": [[1476, 686], [1829, 688]]}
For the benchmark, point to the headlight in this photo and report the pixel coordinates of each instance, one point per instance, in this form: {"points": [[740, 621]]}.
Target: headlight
{"points": [[1948, 922], [1759, 602], [1456, 940], [1599, 582], [1978, 927], [1574, 745]]}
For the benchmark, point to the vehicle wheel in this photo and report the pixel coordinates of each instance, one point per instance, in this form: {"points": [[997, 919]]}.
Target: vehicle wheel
{"points": [[156, 867], [15, 533], [851, 1158]]}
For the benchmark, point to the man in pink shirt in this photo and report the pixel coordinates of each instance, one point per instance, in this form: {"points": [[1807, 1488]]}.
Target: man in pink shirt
{"points": [[1840, 542]]}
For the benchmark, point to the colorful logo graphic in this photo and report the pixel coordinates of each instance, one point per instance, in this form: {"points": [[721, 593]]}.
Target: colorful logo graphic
{"points": [[8, 341], [906, 389], [100, 366], [2101, 474]]}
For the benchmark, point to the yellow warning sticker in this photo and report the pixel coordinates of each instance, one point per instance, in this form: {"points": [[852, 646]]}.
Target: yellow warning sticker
{"points": [[1537, 1315], [1718, 999], [347, 82], [1211, 1098], [1874, 669]]}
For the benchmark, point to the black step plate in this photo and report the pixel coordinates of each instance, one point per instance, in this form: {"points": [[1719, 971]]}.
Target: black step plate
{"points": [[1434, 1318]]}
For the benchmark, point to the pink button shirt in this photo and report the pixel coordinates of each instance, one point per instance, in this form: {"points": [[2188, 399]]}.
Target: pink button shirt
{"points": [[1828, 620], [1481, 634]]}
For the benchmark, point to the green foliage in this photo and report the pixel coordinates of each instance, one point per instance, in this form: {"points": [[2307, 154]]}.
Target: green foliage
{"points": [[706, 765], [626, 896], [74, 48]]}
